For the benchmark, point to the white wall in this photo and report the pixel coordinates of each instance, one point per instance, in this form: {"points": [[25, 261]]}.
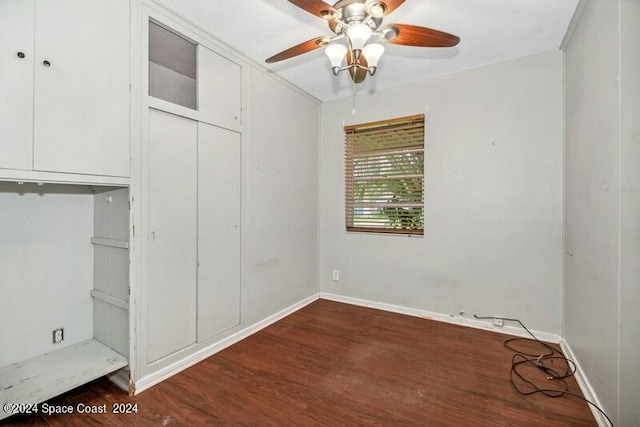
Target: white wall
{"points": [[602, 211], [591, 187], [493, 210], [280, 228], [46, 268], [629, 213]]}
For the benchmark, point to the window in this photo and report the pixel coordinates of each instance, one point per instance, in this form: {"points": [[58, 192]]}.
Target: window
{"points": [[384, 174]]}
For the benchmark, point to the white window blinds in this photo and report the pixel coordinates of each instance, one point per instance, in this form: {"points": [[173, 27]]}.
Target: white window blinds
{"points": [[384, 175]]}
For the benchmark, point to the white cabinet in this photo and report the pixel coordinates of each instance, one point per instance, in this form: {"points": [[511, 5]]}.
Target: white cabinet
{"points": [[190, 79], [65, 105], [194, 232], [193, 195], [219, 190], [16, 83], [82, 99], [219, 89], [171, 278]]}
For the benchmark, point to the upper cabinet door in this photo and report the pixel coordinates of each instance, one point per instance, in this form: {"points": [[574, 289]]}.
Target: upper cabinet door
{"points": [[81, 114], [219, 89], [16, 83]]}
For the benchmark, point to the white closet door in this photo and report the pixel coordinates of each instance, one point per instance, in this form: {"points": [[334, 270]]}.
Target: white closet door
{"points": [[82, 96], [16, 83], [219, 193], [172, 260], [219, 89]]}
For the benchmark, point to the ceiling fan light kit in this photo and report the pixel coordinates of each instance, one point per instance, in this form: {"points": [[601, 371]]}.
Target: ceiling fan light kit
{"points": [[356, 21], [358, 34], [336, 53], [373, 52]]}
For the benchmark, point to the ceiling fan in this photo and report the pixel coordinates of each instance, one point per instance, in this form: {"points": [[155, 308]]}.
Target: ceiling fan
{"points": [[355, 22]]}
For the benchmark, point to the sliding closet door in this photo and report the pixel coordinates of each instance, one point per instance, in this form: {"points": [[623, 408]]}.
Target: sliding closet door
{"points": [[172, 234], [219, 190]]}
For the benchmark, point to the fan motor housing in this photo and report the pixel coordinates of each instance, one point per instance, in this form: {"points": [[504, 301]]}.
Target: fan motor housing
{"points": [[353, 11]]}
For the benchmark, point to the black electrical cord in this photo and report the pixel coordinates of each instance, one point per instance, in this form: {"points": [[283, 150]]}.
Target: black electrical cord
{"points": [[541, 361]]}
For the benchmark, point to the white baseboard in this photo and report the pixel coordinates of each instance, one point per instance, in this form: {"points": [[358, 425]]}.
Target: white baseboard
{"points": [[463, 321], [585, 386], [164, 373], [168, 371]]}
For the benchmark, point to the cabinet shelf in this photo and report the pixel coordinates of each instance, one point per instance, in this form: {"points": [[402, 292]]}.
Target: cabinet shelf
{"points": [[111, 243], [40, 378], [116, 302]]}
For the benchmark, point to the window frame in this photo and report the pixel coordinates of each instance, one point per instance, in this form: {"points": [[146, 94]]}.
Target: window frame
{"points": [[380, 129]]}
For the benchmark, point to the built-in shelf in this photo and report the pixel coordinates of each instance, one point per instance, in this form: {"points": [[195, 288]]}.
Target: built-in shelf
{"points": [[112, 243], [110, 300], [40, 378]]}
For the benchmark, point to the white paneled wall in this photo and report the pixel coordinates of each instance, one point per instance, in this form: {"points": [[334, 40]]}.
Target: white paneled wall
{"points": [[281, 197], [602, 324]]}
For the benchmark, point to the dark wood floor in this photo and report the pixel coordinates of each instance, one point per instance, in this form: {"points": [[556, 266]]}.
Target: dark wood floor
{"points": [[334, 364]]}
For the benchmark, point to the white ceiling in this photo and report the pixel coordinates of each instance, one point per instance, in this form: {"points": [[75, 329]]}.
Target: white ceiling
{"points": [[490, 31]]}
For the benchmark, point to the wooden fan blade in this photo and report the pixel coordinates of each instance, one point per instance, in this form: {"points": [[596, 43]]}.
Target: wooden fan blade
{"points": [[391, 5], [305, 47], [315, 7], [411, 35], [357, 74]]}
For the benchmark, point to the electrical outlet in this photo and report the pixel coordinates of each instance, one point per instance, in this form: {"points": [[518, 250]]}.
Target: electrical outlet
{"points": [[498, 322], [336, 275], [58, 335]]}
